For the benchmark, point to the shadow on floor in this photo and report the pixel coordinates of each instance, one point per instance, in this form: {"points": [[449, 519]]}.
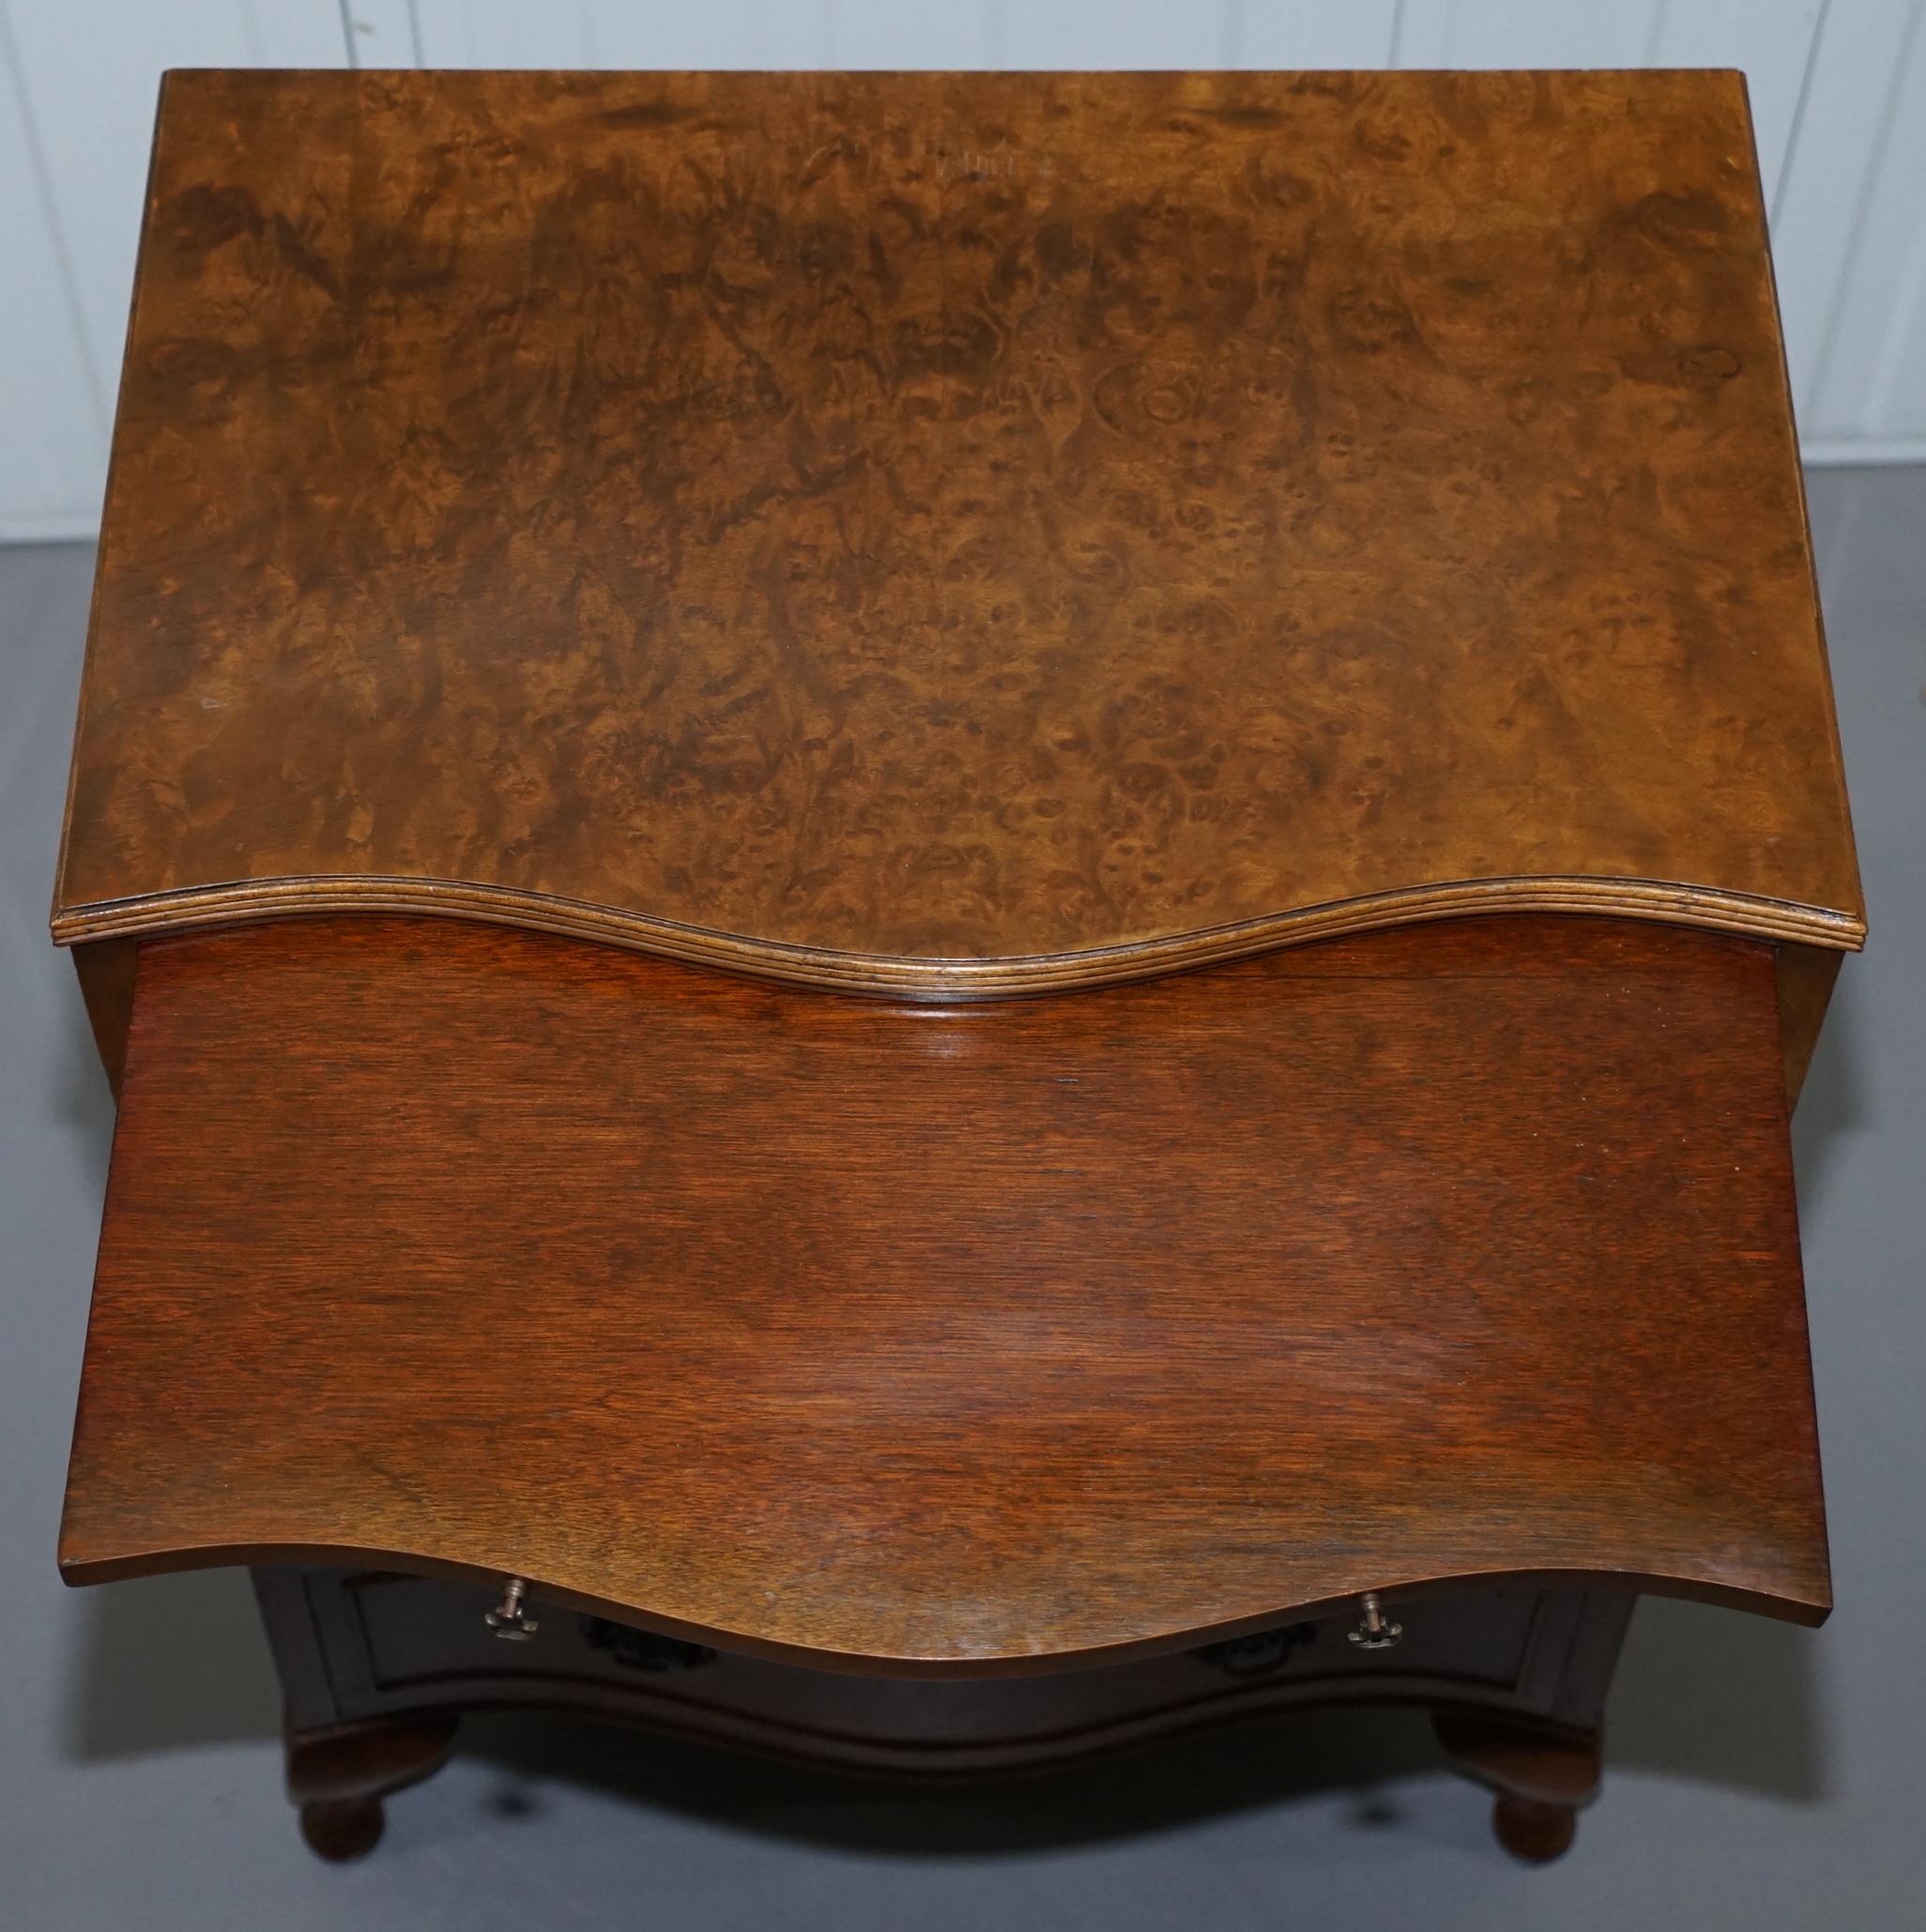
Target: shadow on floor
{"points": [[1367, 1755], [168, 1662], [1720, 1697], [1709, 1696]]}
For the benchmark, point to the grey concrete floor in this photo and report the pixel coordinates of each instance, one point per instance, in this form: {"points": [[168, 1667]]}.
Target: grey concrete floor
{"points": [[1760, 1776]]}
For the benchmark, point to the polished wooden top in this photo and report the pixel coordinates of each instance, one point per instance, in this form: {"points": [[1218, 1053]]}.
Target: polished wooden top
{"points": [[954, 532], [955, 1339]]}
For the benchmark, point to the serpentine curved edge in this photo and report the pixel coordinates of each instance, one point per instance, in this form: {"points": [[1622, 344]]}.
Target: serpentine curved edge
{"points": [[1399, 1588], [913, 978]]}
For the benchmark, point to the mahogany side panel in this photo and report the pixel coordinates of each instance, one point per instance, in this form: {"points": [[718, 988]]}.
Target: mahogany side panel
{"points": [[1807, 975], [106, 968], [966, 1338], [956, 532]]}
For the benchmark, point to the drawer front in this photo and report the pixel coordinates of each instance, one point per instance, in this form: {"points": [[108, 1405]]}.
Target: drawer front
{"points": [[392, 1643]]}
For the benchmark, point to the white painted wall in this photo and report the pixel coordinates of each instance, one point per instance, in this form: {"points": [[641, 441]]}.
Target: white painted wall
{"points": [[1839, 95]]}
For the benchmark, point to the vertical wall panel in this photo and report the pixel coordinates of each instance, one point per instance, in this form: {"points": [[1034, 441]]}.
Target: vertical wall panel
{"points": [[1851, 95], [717, 33], [1769, 42], [1527, 32], [1848, 220], [526, 33], [805, 34], [381, 33], [92, 73], [888, 33], [52, 415], [1287, 34], [1062, 35], [1875, 330]]}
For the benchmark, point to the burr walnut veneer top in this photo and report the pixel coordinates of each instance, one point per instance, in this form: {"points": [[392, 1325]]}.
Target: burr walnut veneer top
{"points": [[956, 532]]}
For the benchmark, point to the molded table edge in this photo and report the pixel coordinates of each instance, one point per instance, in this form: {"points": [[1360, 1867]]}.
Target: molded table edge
{"points": [[1808, 1612], [913, 977]]}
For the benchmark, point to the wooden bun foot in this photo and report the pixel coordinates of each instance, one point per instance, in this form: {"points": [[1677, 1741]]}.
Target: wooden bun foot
{"points": [[340, 1776], [1541, 1773], [1532, 1830], [343, 1829]]}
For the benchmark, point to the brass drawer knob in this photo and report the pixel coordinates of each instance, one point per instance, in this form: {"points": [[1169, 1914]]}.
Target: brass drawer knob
{"points": [[1375, 1631], [509, 1619]]}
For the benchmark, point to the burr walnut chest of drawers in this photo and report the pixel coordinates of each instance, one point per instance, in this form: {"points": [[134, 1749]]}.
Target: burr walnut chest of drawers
{"points": [[947, 917]]}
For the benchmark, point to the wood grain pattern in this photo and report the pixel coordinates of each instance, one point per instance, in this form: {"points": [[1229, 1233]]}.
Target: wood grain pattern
{"points": [[955, 1339], [951, 533]]}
